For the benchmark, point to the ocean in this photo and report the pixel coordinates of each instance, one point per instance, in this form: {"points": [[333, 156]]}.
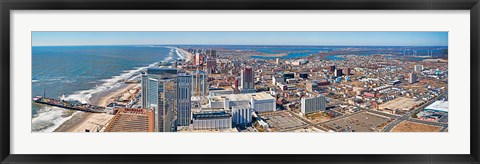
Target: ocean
{"points": [[80, 72]]}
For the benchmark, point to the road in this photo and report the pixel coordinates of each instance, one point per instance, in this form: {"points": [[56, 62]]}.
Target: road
{"points": [[304, 126], [444, 129], [316, 125], [407, 116], [428, 122], [394, 123], [396, 119]]}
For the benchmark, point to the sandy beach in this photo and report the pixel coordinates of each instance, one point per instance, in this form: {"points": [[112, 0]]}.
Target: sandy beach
{"points": [[189, 55], [82, 121], [105, 100], [94, 121]]}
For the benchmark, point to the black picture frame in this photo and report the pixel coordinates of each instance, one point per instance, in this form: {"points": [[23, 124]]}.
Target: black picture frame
{"points": [[8, 5]]}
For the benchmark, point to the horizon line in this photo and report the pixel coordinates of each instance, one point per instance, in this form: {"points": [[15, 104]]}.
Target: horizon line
{"points": [[237, 45]]}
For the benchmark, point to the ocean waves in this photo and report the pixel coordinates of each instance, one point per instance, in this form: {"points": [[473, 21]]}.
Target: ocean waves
{"points": [[180, 54], [50, 118], [84, 95], [72, 84]]}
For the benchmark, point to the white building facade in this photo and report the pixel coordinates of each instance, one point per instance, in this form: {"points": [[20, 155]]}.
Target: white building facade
{"points": [[259, 102], [241, 115], [418, 68], [313, 104]]}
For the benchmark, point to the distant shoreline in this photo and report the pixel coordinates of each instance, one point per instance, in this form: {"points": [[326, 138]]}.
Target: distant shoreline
{"points": [[272, 55], [189, 56]]}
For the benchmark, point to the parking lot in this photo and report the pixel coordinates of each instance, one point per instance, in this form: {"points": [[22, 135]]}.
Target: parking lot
{"points": [[361, 122], [281, 120]]}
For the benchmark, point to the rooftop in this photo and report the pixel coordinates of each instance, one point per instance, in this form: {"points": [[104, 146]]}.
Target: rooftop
{"points": [[161, 71], [184, 75], [131, 120], [438, 106], [211, 114], [190, 130], [243, 97]]}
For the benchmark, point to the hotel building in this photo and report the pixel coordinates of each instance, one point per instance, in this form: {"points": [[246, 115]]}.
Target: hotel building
{"points": [[247, 80], [184, 95], [418, 68], [131, 120], [158, 94], [313, 104], [412, 78], [199, 83]]}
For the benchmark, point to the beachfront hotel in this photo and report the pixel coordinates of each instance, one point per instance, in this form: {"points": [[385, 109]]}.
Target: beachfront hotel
{"points": [[132, 120], [155, 85]]}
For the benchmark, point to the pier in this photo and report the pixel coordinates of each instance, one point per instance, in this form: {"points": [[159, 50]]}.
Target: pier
{"points": [[71, 105]]}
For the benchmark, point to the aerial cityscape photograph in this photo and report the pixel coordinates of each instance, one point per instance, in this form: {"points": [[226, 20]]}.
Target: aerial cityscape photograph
{"points": [[239, 81]]}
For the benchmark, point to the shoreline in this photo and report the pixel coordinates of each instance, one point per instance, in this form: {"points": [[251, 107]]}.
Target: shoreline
{"points": [[91, 121], [107, 99], [82, 120], [271, 55], [189, 55]]}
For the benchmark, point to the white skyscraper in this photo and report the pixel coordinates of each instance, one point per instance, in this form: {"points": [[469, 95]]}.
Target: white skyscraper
{"points": [[313, 104], [412, 78], [418, 68]]}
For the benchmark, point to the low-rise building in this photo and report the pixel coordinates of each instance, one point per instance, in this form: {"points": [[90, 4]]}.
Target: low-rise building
{"points": [[212, 120], [131, 120], [439, 106], [259, 102]]}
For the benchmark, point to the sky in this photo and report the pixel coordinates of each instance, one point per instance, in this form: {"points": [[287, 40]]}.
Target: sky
{"points": [[242, 38]]}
